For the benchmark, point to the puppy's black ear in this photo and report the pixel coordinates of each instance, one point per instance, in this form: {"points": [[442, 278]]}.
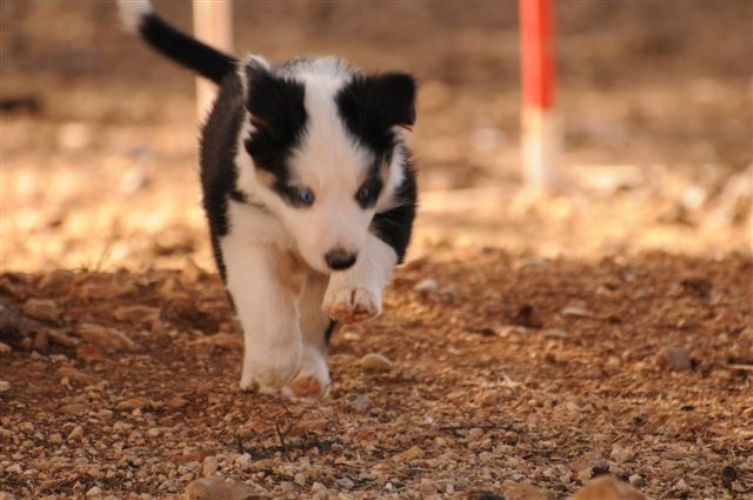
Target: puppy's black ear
{"points": [[388, 99], [394, 95], [275, 103]]}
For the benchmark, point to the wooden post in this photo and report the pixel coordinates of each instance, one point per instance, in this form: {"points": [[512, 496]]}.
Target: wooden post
{"points": [[541, 139], [212, 24]]}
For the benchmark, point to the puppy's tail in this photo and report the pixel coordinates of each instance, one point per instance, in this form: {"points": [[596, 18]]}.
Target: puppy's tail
{"points": [[139, 17]]}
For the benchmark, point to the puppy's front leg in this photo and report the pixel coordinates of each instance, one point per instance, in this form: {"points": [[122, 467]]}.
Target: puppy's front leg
{"points": [[265, 301], [356, 294]]}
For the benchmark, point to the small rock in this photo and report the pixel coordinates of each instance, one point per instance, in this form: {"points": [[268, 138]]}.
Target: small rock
{"points": [[55, 438], [675, 358], [375, 361], [214, 488], [136, 313], [61, 338], [176, 403], [75, 434], [300, 479], [449, 292], [74, 375], [361, 404], [109, 339], [41, 309], [636, 480], [5, 348], [74, 409], [351, 336], [210, 467], [608, 488], [14, 469], [426, 286], [346, 483], [525, 491], [132, 404], [681, 486], [41, 341], [94, 491], [576, 311], [410, 454], [4, 385], [620, 453]]}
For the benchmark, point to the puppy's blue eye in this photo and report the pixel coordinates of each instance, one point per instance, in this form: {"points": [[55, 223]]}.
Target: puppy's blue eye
{"points": [[304, 196]]}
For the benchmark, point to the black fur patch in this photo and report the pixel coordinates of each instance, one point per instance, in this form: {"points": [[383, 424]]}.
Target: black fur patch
{"points": [[371, 105], [279, 117], [395, 226], [329, 331], [218, 171], [186, 50]]}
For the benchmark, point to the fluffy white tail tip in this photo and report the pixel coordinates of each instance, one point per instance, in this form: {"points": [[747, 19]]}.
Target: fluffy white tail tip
{"points": [[132, 12]]}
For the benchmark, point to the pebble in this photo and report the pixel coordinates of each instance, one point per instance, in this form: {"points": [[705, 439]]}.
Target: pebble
{"points": [[620, 454], [75, 434], [109, 339], [576, 311], [210, 466], [426, 286], [636, 480], [676, 359], [607, 488], [213, 488], [4, 385], [346, 483], [410, 454], [94, 491], [55, 438], [375, 361], [525, 491], [300, 479], [41, 309], [5, 348], [361, 404], [449, 292], [74, 375]]}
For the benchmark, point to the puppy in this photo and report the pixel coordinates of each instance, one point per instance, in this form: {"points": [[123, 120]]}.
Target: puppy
{"points": [[309, 193]]}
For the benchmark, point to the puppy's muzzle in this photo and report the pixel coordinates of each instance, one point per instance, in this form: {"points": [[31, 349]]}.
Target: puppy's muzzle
{"points": [[339, 259]]}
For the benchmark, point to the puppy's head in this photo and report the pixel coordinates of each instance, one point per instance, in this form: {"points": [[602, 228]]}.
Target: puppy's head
{"points": [[322, 144]]}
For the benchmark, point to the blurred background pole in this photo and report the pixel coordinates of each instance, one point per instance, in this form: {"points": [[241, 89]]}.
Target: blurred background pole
{"points": [[541, 139], [212, 24]]}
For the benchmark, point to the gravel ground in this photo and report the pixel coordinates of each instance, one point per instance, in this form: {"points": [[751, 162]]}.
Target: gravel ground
{"points": [[487, 373]]}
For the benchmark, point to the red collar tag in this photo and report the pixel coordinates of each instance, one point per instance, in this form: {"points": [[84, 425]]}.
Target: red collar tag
{"points": [[406, 126]]}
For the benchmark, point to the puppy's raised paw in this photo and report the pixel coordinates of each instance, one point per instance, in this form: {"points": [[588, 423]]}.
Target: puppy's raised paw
{"points": [[351, 304]]}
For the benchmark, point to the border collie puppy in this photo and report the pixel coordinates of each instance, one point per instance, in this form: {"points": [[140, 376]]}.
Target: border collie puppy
{"points": [[309, 193]]}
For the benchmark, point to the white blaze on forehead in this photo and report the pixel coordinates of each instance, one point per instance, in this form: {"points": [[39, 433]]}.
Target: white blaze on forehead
{"points": [[328, 157]]}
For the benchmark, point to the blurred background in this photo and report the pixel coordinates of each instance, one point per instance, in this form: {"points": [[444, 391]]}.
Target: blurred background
{"points": [[99, 134]]}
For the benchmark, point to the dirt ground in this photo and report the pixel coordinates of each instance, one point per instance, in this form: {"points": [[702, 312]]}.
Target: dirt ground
{"points": [[531, 343]]}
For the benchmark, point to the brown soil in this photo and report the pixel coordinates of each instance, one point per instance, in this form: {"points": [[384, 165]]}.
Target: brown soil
{"points": [[521, 370], [614, 332]]}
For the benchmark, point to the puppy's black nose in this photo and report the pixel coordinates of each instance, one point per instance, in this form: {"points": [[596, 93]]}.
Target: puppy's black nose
{"points": [[339, 259]]}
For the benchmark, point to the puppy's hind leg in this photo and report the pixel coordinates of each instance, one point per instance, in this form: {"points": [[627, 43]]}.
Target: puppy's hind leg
{"points": [[313, 379]]}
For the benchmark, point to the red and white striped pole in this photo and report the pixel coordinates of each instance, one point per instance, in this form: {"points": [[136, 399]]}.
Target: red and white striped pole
{"points": [[541, 141]]}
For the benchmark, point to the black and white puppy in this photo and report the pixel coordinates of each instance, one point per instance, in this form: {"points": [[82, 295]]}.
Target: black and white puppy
{"points": [[309, 192]]}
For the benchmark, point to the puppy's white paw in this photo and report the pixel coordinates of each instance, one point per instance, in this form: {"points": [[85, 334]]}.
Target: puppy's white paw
{"points": [[268, 370], [351, 303], [313, 379]]}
